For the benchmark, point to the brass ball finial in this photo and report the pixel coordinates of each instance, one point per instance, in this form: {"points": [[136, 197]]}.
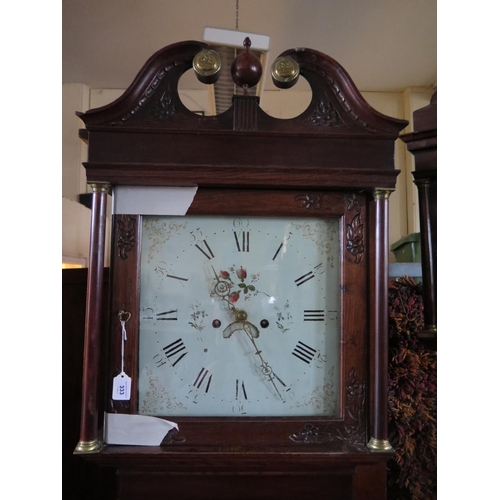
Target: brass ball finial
{"points": [[246, 69]]}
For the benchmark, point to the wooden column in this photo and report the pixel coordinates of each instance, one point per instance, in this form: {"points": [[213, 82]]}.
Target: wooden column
{"points": [[427, 213], [422, 144], [89, 439], [379, 318]]}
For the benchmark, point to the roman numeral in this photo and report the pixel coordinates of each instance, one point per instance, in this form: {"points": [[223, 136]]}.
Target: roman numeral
{"points": [[176, 349], [314, 315], [310, 275], [208, 255], [202, 379], [177, 277], [304, 352], [242, 241], [240, 389], [306, 277], [167, 315], [278, 251]]}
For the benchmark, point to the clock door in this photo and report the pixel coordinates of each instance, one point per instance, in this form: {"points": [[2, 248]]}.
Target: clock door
{"points": [[245, 315]]}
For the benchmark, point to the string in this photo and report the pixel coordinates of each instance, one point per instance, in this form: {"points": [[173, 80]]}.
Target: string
{"points": [[124, 338], [121, 315]]}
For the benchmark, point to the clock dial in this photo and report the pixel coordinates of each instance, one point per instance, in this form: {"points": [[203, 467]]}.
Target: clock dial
{"points": [[239, 316]]}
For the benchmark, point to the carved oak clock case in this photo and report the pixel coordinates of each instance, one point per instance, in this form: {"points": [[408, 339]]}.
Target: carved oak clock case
{"points": [[256, 318]]}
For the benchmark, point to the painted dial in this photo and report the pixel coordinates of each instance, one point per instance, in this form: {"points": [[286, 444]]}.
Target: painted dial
{"points": [[239, 316]]}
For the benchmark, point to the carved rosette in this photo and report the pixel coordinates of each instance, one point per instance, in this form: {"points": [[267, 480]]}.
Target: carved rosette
{"points": [[164, 108], [326, 115], [126, 235], [309, 201], [312, 433], [353, 433], [315, 201], [355, 230]]}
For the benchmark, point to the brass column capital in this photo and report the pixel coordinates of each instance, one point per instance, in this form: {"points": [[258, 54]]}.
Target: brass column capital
{"points": [[100, 187], [382, 193]]}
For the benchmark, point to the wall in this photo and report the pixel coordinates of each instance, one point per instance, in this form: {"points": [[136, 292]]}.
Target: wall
{"points": [[403, 214], [75, 216], [75, 97]]}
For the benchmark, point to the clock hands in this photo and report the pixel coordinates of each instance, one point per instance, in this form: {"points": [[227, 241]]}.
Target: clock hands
{"points": [[222, 289], [266, 367], [252, 333], [241, 323]]}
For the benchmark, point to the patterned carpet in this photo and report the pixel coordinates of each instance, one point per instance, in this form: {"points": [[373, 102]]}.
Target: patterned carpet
{"points": [[412, 474]]}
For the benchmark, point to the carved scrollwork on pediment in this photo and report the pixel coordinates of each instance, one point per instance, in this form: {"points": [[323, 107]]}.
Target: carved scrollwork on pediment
{"points": [[152, 100], [337, 101], [146, 97]]}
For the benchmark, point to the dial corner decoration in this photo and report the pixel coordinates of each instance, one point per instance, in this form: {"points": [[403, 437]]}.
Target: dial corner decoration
{"points": [[352, 432]]}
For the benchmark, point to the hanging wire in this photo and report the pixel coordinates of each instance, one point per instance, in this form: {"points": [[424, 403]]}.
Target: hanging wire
{"points": [[237, 13]]}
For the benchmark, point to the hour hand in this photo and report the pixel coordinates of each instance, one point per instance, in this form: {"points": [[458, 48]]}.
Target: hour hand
{"points": [[245, 326]]}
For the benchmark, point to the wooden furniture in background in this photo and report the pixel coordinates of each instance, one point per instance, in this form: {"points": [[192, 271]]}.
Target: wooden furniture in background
{"points": [[422, 143], [81, 480]]}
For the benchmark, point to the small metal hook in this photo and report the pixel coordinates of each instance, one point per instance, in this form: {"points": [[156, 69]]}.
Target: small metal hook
{"points": [[124, 313]]}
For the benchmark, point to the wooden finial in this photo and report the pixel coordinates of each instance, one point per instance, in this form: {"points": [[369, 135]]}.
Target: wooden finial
{"points": [[246, 69]]}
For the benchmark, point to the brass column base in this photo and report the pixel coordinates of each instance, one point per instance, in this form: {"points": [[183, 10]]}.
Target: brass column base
{"points": [[84, 447], [379, 445]]}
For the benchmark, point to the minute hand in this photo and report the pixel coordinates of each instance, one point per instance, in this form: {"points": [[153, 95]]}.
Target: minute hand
{"points": [[266, 368], [252, 333]]}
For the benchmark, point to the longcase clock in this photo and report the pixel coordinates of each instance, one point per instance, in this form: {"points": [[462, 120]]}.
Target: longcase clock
{"points": [[248, 301]]}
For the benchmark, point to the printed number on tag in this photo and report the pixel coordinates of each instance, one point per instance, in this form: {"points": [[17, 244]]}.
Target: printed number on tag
{"points": [[121, 387]]}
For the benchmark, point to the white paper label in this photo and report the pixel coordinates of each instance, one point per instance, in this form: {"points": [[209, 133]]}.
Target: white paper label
{"points": [[121, 387], [139, 430], [152, 200]]}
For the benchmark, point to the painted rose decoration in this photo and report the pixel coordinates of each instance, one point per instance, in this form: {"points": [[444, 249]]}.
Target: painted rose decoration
{"points": [[234, 283]]}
